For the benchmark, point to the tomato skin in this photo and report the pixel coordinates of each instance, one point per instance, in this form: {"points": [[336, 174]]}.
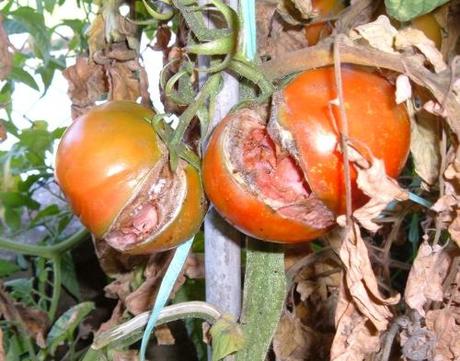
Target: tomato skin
{"points": [[376, 125], [102, 161], [240, 207]]}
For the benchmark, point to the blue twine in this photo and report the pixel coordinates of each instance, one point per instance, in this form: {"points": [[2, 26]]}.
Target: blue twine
{"points": [[166, 286], [248, 10]]}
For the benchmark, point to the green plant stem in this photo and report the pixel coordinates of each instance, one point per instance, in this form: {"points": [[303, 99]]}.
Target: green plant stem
{"points": [[57, 280], [206, 91], [48, 252]]}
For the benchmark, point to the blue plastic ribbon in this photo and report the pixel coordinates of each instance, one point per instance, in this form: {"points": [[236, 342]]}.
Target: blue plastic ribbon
{"points": [[248, 10], [166, 287]]}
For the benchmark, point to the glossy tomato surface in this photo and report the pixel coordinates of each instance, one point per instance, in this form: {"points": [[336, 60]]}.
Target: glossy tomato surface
{"points": [[102, 159], [246, 200], [103, 162], [378, 127]]}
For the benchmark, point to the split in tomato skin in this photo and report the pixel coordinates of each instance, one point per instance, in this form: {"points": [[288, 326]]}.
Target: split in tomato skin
{"points": [[103, 162], [258, 189], [377, 127]]}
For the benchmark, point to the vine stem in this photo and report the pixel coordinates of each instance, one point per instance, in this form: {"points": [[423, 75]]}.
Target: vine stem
{"points": [[343, 127], [48, 252], [193, 309], [57, 279]]}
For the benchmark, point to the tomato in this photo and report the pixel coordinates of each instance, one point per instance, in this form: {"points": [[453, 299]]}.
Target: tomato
{"points": [[114, 171], [319, 29], [283, 182], [258, 189]]}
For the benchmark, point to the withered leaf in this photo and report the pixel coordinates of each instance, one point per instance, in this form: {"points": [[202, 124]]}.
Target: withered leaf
{"points": [[355, 337], [32, 321], [87, 84], [426, 277], [96, 35], [2, 350], [164, 336], [375, 183], [361, 283], [124, 83], [5, 53], [410, 37], [293, 341], [424, 146], [446, 329], [403, 89], [3, 133], [162, 37], [194, 266], [379, 34], [128, 355]]}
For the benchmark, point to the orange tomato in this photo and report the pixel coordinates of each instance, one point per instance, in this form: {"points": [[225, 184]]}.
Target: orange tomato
{"points": [[284, 182], [107, 161]]}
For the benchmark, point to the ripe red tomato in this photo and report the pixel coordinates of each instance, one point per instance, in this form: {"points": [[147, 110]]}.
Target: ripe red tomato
{"points": [[286, 184], [114, 171]]}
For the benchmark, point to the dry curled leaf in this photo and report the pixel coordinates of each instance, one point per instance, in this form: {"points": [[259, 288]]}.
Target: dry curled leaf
{"points": [[443, 324], [123, 80], [424, 146], [414, 38], [164, 336], [87, 84], [425, 281], [379, 34], [355, 337], [403, 89], [5, 53], [31, 321], [376, 184], [128, 355], [361, 283], [194, 266], [275, 37]]}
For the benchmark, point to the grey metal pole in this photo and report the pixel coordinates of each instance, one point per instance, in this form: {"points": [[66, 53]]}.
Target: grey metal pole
{"points": [[222, 241]]}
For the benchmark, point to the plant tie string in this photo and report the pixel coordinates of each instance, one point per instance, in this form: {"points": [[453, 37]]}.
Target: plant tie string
{"points": [[166, 287]]}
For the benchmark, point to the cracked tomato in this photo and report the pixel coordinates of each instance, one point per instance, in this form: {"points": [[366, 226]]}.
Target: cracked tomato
{"points": [[115, 173], [283, 181]]}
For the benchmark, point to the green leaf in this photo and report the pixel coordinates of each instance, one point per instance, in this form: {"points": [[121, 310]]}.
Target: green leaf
{"points": [[22, 76], [8, 268], [227, 337], [12, 218], [34, 22], [405, 10], [49, 5], [69, 276], [21, 290], [50, 210], [65, 325], [12, 26]]}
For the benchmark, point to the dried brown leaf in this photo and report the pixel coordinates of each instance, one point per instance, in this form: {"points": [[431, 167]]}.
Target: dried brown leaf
{"points": [[3, 133], [115, 319], [275, 37], [32, 321], [96, 35], [443, 324], [87, 84], [356, 337], [164, 335], [425, 281], [376, 184], [361, 283], [293, 341], [142, 298], [379, 34], [413, 38], [128, 355], [194, 266], [162, 38], [124, 83], [424, 146], [5, 53]]}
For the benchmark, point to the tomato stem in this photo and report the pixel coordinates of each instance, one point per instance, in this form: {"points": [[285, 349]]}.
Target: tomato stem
{"points": [[48, 252]]}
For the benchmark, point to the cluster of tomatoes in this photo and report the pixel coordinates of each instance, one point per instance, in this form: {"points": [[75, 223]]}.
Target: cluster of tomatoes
{"points": [[278, 179]]}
